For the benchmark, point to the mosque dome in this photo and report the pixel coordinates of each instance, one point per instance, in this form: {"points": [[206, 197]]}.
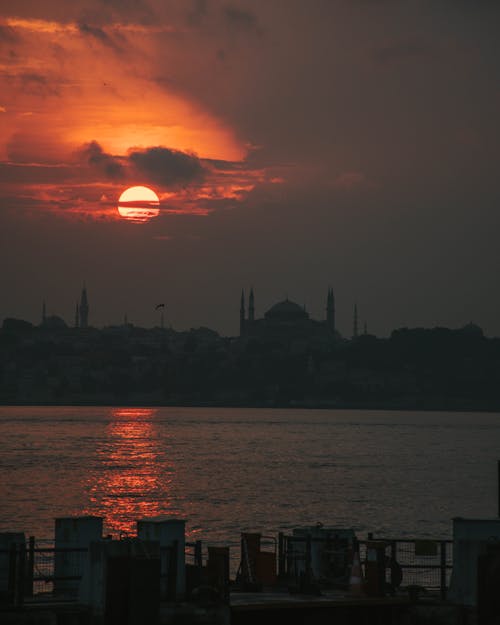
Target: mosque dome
{"points": [[472, 329], [54, 323], [286, 311]]}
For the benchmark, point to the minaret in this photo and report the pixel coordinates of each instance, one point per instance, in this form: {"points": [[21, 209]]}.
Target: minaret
{"points": [[355, 323], [330, 311], [251, 307], [77, 316], [44, 313], [242, 313], [84, 309]]}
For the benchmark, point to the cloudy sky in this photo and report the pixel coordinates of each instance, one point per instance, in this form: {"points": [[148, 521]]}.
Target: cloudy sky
{"points": [[294, 145]]}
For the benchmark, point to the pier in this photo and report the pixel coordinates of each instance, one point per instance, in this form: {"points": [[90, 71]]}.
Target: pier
{"points": [[312, 575]]}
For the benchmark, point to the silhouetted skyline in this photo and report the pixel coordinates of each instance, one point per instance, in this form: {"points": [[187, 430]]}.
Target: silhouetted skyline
{"points": [[251, 323], [284, 358]]}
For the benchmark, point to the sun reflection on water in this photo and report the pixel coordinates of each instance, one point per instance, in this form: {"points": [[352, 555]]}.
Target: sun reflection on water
{"points": [[133, 473]]}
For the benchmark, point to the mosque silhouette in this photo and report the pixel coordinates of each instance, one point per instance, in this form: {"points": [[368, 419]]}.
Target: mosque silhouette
{"points": [[287, 318]]}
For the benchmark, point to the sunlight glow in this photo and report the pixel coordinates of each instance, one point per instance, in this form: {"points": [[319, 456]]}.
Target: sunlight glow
{"points": [[139, 204]]}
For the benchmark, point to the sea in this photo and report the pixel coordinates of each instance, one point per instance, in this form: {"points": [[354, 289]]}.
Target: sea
{"points": [[226, 470]]}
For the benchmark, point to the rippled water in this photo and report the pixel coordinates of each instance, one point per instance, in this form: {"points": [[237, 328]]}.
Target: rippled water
{"points": [[228, 470]]}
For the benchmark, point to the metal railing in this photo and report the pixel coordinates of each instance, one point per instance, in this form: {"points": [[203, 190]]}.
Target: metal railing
{"points": [[422, 564], [39, 569]]}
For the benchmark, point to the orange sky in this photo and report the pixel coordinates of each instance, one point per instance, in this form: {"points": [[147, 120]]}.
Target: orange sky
{"points": [[69, 84], [293, 145], [68, 87]]}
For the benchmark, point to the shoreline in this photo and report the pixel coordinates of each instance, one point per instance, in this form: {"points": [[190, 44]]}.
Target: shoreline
{"points": [[291, 405]]}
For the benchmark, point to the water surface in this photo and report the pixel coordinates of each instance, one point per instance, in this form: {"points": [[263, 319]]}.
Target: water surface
{"points": [[226, 470]]}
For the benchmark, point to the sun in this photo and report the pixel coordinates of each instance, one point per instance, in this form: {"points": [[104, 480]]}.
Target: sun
{"points": [[139, 204]]}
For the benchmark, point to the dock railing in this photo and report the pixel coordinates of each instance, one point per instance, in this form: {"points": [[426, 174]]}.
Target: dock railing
{"points": [[37, 570], [41, 571], [423, 565]]}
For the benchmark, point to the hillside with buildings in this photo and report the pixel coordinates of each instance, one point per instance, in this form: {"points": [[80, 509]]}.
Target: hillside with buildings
{"points": [[283, 359]]}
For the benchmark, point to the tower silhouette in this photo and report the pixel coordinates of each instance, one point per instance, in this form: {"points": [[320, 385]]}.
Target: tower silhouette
{"points": [[77, 316], [251, 308], [355, 322], [242, 313], [330, 310], [84, 309], [44, 313]]}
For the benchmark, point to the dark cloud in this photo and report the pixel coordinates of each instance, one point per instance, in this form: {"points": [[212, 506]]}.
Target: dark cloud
{"points": [[130, 10], [221, 54], [127, 4], [218, 164], [109, 165], [241, 19], [36, 84], [94, 31], [8, 34], [18, 171], [115, 43], [473, 5], [197, 13], [400, 51], [168, 167]]}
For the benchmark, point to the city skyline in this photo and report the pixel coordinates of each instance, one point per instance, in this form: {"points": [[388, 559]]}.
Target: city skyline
{"points": [[291, 146], [248, 312]]}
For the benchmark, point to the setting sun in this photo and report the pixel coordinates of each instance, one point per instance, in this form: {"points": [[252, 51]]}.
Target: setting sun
{"points": [[138, 204]]}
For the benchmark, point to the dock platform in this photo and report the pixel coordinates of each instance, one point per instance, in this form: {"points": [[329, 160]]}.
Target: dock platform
{"points": [[297, 609]]}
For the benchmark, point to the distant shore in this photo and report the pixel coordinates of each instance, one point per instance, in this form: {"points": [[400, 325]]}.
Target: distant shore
{"points": [[423, 405]]}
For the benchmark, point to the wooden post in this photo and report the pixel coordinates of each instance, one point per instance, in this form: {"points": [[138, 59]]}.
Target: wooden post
{"points": [[218, 570], [198, 555], [308, 570], [498, 484], [393, 555], [31, 567], [21, 574], [172, 572], [281, 555], [443, 570], [11, 584]]}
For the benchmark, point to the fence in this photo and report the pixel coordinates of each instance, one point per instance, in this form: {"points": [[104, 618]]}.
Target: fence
{"points": [[420, 563], [425, 565], [41, 570]]}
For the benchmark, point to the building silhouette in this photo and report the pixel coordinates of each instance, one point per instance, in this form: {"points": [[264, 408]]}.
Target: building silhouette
{"points": [[83, 310], [251, 307], [51, 322], [287, 319], [242, 313], [330, 311]]}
